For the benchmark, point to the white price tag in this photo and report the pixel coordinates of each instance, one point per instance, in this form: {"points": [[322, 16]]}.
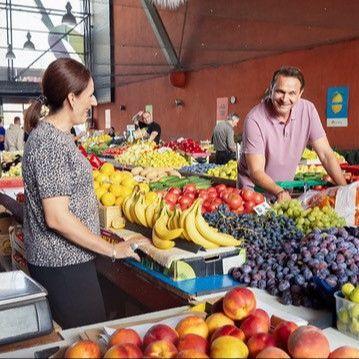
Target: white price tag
{"points": [[262, 208]]}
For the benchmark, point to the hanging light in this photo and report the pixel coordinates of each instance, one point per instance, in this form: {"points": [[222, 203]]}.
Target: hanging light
{"points": [[170, 4], [69, 18], [10, 54], [29, 45]]}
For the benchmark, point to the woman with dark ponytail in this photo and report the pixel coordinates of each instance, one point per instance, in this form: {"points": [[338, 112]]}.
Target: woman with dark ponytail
{"points": [[61, 223]]}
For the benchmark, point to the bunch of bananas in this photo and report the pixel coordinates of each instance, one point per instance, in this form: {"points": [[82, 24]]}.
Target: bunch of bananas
{"points": [[169, 225]]}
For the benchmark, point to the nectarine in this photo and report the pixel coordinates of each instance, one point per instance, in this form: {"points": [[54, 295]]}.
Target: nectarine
{"points": [[193, 342], [124, 336], [217, 320], [344, 352], [192, 325], [228, 347], [308, 342], [230, 330], [191, 353], [282, 332], [160, 349], [238, 303], [83, 349], [258, 342], [272, 353], [127, 350], [254, 325], [160, 332]]}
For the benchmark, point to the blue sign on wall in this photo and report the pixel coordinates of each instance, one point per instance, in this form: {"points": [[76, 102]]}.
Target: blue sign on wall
{"points": [[337, 106]]}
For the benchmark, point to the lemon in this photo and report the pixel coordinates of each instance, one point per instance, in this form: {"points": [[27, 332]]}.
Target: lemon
{"points": [[144, 187], [96, 185], [150, 197], [119, 200], [128, 182], [108, 199], [126, 191], [118, 223], [116, 190], [100, 192], [105, 185], [107, 168], [101, 177], [95, 173], [116, 177], [127, 174]]}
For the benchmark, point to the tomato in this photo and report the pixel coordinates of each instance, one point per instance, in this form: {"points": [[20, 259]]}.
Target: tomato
{"points": [[202, 193], [224, 195], [248, 206], [175, 190], [258, 198], [318, 188], [217, 201], [190, 195], [211, 207], [247, 194], [212, 190], [212, 195], [234, 201], [220, 187], [190, 187], [239, 210], [185, 201], [171, 198], [236, 190]]}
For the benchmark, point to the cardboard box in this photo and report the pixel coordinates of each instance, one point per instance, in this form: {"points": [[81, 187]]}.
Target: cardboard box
{"points": [[108, 214]]}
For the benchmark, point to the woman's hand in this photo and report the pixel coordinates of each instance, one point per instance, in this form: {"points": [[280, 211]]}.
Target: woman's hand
{"points": [[127, 249], [283, 196]]}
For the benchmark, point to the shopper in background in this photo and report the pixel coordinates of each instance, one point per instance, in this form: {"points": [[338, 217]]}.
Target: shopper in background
{"points": [[2, 135], [111, 132], [147, 128], [61, 220], [276, 132], [14, 138], [223, 139]]}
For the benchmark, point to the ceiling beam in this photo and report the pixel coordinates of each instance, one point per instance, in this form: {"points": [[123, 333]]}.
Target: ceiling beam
{"points": [[161, 34]]}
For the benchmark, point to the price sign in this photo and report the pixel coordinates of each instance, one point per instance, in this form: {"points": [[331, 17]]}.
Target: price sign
{"points": [[262, 208]]}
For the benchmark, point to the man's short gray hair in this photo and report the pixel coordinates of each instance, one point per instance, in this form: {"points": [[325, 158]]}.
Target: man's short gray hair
{"points": [[232, 116]]}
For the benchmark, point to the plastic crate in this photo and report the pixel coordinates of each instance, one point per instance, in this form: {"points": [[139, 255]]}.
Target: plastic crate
{"points": [[347, 313], [296, 184]]}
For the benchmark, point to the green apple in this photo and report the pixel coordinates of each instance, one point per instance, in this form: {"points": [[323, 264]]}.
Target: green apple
{"points": [[343, 316], [354, 295], [354, 326], [347, 288]]}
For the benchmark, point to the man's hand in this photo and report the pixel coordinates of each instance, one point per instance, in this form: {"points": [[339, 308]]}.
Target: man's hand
{"points": [[283, 196]]}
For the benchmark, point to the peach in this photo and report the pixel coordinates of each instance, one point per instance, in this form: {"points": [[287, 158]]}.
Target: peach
{"points": [[282, 332], [83, 349], [262, 314], [272, 353], [254, 325], [191, 353], [238, 303], [217, 320], [127, 350], [308, 342], [228, 347], [193, 342], [160, 332], [258, 342], [230, 330], [160, 349], [344, 352], [124, 336], [192, 325]]}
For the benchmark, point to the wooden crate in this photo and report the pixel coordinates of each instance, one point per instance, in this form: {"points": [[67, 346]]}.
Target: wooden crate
{"points": [[107, 214]]}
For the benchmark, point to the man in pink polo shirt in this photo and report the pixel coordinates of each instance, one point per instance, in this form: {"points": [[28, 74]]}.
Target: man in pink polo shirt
{"points": [[276, 132]]}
